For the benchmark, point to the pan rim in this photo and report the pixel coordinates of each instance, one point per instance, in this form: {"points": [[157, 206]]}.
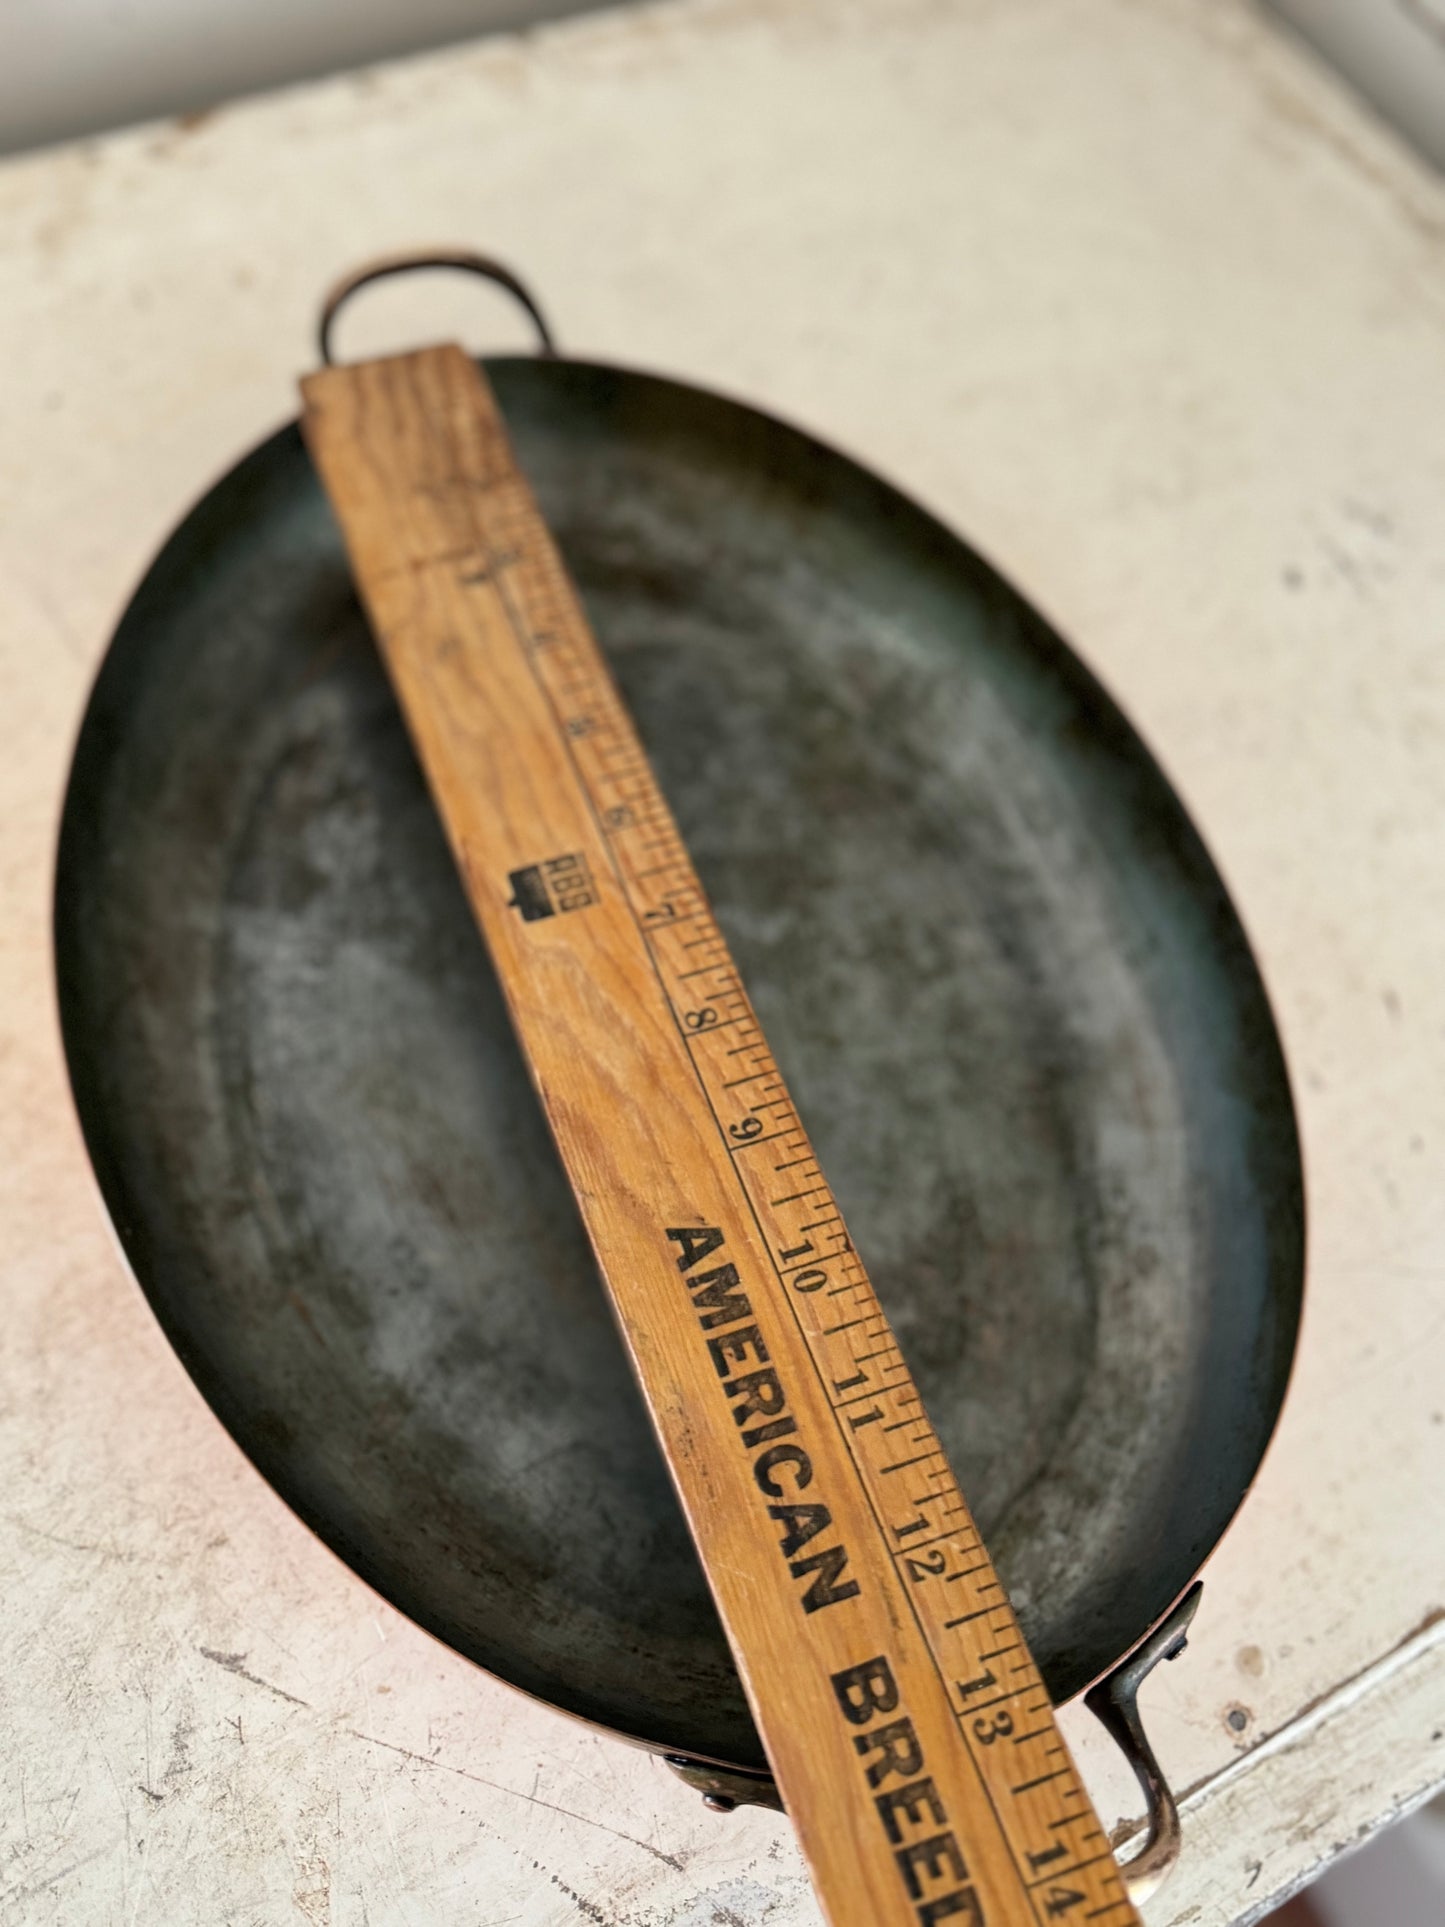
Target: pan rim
{"points": [[1291, 1311]]}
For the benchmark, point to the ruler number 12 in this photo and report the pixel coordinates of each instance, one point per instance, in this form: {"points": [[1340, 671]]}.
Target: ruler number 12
{"points": [[921, 1567]]}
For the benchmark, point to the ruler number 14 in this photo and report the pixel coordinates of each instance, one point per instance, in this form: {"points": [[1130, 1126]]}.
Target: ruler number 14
{"points": [[1058, 1900]]}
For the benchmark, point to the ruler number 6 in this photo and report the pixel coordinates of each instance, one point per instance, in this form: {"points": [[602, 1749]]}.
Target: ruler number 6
{"points": [[750, 1127]]}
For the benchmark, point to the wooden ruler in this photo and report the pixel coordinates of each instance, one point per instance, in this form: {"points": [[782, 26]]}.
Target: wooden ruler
{"points": [[911, 1736]]}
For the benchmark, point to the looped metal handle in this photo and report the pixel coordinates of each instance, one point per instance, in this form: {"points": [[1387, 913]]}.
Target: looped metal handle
{"points": [[1115, 1703], [392, 264]]}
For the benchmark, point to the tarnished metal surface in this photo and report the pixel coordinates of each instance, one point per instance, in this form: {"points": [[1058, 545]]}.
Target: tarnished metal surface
{"points": [[997, 966]]}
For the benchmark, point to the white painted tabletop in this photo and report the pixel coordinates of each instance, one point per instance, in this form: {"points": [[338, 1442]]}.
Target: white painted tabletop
{"points": [[1136, 300]]}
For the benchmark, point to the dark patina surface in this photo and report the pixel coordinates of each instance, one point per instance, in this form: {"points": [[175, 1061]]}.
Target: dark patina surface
{"points": [[999, 971]]}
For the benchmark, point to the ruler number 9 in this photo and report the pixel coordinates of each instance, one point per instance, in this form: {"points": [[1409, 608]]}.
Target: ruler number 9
{"points": [[750, 1127]]}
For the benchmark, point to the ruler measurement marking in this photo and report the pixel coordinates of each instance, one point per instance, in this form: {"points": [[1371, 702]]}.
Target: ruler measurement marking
{"points": [[984, 1781], [835, 1218], [842, 1404], [903, 1464], [607, 738], [980, 1612], [1043, 1780], [920, 1545], [1070, 1867], [674, 923], [983, 1778]]}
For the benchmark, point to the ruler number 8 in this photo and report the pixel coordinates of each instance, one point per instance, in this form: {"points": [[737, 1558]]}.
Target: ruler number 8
{"points": [[703, 1019]]}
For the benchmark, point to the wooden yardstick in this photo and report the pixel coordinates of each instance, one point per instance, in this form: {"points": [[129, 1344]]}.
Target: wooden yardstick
{"points": [[912, 1739]]}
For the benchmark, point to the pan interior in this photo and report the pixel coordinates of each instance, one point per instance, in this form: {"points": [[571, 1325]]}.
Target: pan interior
{"points": [[998, 969]]}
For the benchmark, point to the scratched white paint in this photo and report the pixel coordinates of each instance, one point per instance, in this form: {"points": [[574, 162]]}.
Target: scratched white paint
{"points": [[1129, 295], [1328, 1780]]}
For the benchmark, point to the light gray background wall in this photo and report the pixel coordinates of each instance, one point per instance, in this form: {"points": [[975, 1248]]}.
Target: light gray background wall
{"points": [[70, 67], [1392, 51]]}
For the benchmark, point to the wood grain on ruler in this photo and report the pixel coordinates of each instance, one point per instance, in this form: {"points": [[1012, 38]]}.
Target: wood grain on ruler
{"points": [[911, 1737]]}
